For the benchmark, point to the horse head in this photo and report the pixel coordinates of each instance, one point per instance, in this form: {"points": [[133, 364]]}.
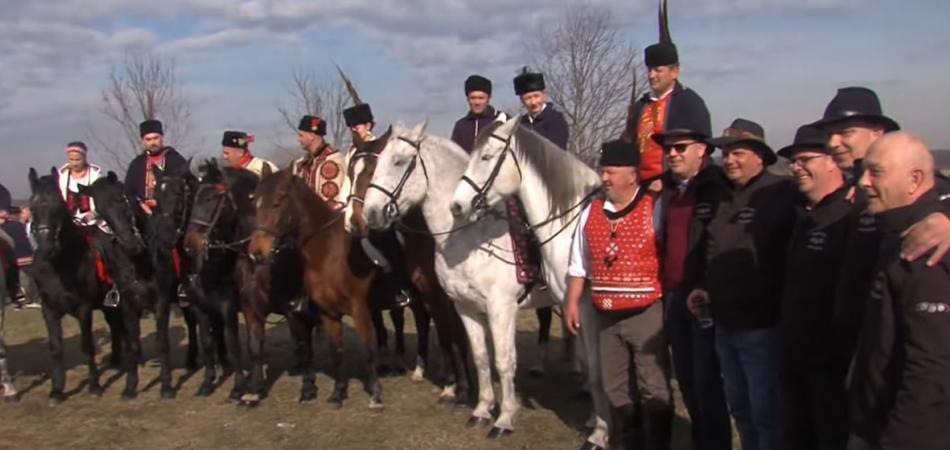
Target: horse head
{"points": [[221, 196], [49, 210], [274, 219], [493, 171], [174, 191], [362, 165], [400, 180], [114, 208]]}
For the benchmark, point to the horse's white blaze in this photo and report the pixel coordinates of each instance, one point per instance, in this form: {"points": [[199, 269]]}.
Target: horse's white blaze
{"points": [[348, 224]]}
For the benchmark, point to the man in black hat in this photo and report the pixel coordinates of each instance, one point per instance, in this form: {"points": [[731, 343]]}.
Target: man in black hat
{"points": [[359, 118], [323, 168], [812, 377], [746, 253], [900, 379], [541, 117], [615, 253], [649, 114], [139, 177], [691, 185], [480, 112], [236, 151]]}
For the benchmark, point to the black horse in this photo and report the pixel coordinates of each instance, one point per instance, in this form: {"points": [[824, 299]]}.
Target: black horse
{"points": [[69, 281], [222, 220], [143, 280]]}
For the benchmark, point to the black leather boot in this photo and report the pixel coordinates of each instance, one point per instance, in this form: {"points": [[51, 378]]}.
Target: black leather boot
{"points": [[658, 428]]}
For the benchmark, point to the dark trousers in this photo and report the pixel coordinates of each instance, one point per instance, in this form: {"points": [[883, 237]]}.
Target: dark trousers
{"points": [[636, 345], [696, 368], [814, 402]]}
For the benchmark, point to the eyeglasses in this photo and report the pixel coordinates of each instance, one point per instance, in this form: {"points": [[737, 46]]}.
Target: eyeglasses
{"points": [[802, 160], [680, 148]]}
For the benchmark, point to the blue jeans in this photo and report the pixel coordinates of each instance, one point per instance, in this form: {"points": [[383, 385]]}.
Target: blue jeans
{"points": [[750, 366], [696, 368]]}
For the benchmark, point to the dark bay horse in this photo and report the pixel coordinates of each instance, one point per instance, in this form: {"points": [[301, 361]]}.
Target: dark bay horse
{"points": [[69, 281], [337, 277], [137, 273], [420, 263]]}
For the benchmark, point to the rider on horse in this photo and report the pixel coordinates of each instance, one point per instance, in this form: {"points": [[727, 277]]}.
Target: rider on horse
{"points": [[235, 150], [323, 167]]}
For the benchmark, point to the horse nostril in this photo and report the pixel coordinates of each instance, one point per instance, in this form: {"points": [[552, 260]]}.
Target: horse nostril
{"points": [[456, 209]]}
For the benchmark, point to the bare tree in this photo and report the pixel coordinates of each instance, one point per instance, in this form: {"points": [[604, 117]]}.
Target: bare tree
{"points": [[591, 71], [144, 87], [311, 94]]}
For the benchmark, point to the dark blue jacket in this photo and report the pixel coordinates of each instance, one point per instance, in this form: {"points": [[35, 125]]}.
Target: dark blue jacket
{"points": [[550, 124]]}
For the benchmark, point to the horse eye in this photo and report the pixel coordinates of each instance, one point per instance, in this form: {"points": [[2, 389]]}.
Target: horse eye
{"points": [[486, 157]]}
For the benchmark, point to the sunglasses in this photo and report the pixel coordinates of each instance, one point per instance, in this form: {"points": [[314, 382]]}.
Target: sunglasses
{"points": [[680, 148]]}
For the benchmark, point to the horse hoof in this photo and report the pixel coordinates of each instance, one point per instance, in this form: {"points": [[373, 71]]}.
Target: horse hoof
{"points": [[383, 370], [307, 397], [591, 446], [446, 400], [235, 395], [477, 422], [205, 391], [376, 404], [498, 433], [96, 390], [168, 393], [418, 375], [56, 398], [398, 370], [249, 404], [129, 395]]}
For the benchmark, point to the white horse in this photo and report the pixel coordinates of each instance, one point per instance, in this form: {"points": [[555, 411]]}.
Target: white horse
{"points": [[553, 186], [474, 260]]}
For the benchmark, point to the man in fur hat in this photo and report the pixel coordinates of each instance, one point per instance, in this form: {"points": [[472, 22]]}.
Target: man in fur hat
{"points": [[323, 168], [480, 112], [235, 150], [139, 177]]}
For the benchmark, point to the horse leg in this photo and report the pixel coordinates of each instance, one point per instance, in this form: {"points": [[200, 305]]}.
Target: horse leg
{"points": [[302, 330], [10, 394], [398, 316], [502, 323], [364, 330], [475, 326], [133, 350], [89, 349], [255, 349], [207, 347], [191, 325], [233, 350], [54, 328], [334, 329], [162, 316], [449, 374], [544, 338], [382, 340], [117, 334], [422, 319]]}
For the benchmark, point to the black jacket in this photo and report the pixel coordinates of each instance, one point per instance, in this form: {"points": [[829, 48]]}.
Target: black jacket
{"points": [[746, 243], [708, 187], [5, 201], [467, 128], [815, 257], [900, 381], [550, 124], [682, 97], [135, 175]]}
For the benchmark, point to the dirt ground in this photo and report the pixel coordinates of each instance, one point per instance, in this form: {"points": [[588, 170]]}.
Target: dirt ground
{"points": [[552, 415]]}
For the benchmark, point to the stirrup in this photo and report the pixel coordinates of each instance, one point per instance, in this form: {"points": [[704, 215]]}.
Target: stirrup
{"points": [[183, 296], [112, 298], [403, 298]]}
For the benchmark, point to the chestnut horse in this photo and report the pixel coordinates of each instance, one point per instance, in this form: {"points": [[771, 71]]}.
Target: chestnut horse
{"points": [[337, 277]]}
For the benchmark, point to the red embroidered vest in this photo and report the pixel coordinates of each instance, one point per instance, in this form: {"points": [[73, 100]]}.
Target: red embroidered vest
{"points": [[625, 262], [652, 120]]}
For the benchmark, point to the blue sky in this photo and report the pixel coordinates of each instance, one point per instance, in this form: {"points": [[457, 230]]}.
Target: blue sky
{"points": [[774, 61]]}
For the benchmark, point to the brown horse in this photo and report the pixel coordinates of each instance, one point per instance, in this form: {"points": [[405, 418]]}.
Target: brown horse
{"points": [[420, 264], [337, 276]]}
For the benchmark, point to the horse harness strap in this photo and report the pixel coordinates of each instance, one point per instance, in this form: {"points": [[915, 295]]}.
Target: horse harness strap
{"points": [[480, 201], [392, 207]]}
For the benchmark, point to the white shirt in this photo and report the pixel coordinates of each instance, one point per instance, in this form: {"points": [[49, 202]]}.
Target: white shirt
{"points": [[579, 263]]}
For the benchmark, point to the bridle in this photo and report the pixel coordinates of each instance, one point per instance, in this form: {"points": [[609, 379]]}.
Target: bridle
{"points": [[353, 159], [392, 206], [480, 200], [224, 197]]}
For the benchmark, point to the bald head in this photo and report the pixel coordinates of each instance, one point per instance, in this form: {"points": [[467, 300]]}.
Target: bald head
{"points": [[899, 168]]}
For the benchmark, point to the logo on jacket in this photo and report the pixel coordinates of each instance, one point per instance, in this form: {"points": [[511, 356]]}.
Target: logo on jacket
{"points": [[933, 307], [746, 215], [703, 211], [816, 241], [866, 223]]}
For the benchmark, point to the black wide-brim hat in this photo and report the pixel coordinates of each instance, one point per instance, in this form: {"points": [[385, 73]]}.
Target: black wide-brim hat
{"points": [[746, 132], [856, 103], [808, 137], [358, 114]]}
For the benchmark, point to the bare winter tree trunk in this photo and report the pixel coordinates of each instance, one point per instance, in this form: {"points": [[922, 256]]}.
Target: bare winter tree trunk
{"points": [[591, 72], [313, 95], [144, 87]]}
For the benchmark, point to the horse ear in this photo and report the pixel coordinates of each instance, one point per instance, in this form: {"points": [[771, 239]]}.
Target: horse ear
{"points": [[419, 130], [34, 179], [84, 190], [112, 177], [266, 171], [53, 171]]}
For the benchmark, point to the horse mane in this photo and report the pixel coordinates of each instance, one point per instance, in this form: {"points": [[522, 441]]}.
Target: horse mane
{"points": [[565, 177]]}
